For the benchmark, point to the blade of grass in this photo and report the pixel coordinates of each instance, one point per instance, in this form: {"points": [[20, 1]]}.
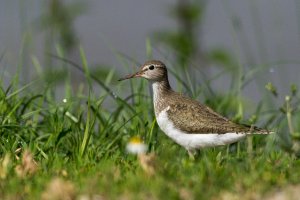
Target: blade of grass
{"points": [[85, 67], [87, 131], [20, 90], [16, 106], [149, 52]]}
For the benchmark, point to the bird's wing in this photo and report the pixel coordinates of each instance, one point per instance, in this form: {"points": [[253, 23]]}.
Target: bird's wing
{"points": [[197, 118]]}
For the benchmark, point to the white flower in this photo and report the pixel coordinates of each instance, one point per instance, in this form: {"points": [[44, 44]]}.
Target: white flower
{"points": [[136, 146], [65, 100]]}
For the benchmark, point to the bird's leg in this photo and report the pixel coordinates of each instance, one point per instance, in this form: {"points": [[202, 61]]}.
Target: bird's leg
{"points": [[251, 129], [249, 142], [192, 153]]}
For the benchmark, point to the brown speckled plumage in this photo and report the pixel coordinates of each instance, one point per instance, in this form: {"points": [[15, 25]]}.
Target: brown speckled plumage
{"points": [[187, 114], [192, 117]]}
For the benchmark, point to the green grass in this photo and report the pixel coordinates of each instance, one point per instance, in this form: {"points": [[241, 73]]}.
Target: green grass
{"points": [[83, 140]]}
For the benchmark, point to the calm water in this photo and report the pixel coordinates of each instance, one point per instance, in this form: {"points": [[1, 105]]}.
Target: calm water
{"points": [[269, 34]]}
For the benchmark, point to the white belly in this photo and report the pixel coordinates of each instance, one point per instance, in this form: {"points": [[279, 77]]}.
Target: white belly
{"points": [[194, 141]]}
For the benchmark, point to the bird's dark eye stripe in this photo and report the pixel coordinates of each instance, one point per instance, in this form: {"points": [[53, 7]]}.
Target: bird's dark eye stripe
{"points": [[151, 67]]}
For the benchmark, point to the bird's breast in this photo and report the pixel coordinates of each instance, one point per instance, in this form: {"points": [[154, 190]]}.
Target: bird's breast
{"points": [[162, 119]]}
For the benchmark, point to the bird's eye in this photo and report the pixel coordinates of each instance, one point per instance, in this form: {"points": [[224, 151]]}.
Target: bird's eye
{"points": [[151, 67]]}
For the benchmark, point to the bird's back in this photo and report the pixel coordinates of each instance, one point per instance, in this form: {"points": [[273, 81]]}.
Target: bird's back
{"points": [[193, 117]]}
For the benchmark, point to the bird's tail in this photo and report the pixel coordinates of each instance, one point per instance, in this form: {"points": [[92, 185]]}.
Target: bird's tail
{"points": [[255, 130]]}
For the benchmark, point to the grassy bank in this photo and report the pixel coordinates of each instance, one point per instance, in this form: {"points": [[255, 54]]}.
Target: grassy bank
{"points": [[74, 145]]}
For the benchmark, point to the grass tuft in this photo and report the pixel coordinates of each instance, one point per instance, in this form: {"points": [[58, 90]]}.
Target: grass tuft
{"points": [[80, 142]]}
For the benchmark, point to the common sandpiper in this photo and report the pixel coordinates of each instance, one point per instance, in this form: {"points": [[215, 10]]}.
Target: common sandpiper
{"points": [[186, 121]]}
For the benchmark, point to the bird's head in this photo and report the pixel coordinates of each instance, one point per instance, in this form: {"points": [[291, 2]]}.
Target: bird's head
{"points": [[152, 70]]}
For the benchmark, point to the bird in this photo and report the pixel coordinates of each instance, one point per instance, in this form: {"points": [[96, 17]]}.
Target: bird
{"points": [[186, 121]]}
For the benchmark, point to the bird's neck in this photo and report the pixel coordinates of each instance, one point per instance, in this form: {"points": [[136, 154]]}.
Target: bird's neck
{"points": [[161, 89]]}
